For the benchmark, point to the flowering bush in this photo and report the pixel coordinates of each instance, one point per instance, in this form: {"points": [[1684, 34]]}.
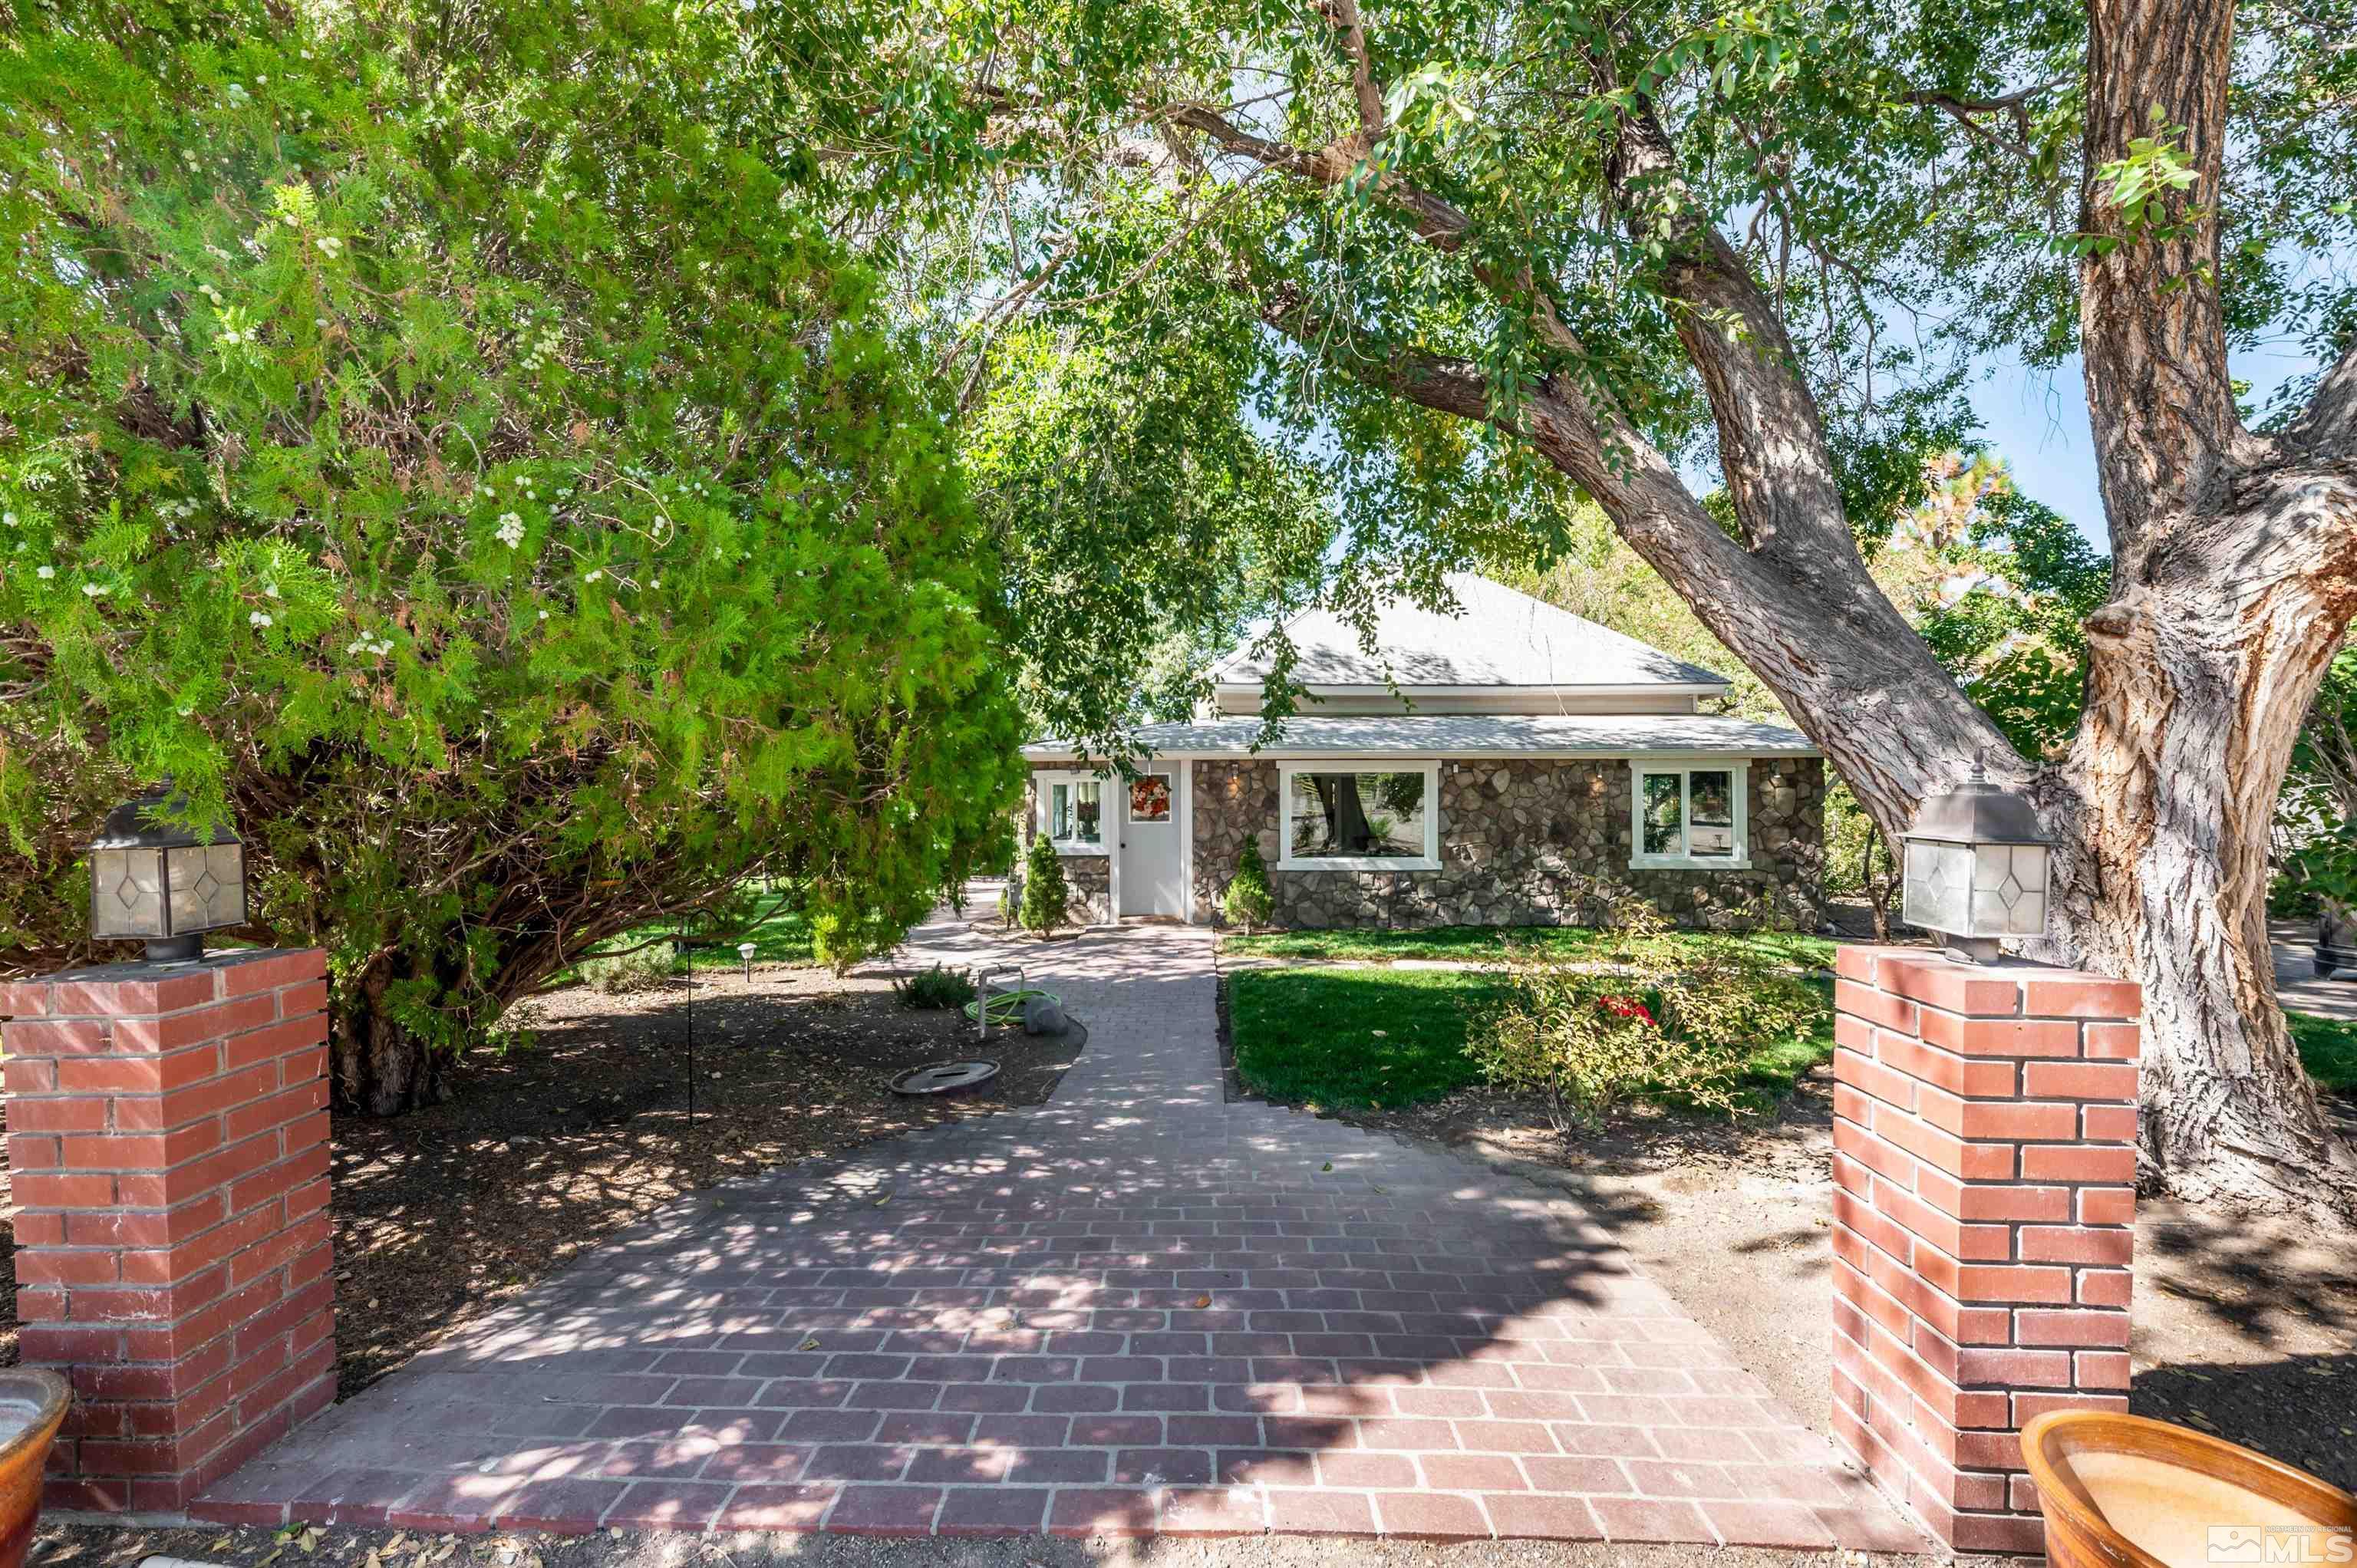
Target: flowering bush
{"points": [[1664, 1017]]}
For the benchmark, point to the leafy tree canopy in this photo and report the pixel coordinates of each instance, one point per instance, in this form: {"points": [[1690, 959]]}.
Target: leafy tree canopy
{"points": [[446, 442]]}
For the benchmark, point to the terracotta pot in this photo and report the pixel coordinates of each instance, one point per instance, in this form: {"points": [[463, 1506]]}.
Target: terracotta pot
{"points": [[32, 1405], [2121, 1491]]}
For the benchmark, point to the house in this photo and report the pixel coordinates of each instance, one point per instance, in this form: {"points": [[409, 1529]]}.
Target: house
{"points": [[1491, 767]]}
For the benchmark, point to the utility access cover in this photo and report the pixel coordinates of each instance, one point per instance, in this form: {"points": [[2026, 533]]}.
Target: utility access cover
{"points": [[942, 1078]]}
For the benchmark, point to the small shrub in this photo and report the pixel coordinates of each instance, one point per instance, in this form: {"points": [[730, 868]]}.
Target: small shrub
{"points": [[1247, 901], [1047, 897], [937, 987], [1664, 1019], [638, 970]]}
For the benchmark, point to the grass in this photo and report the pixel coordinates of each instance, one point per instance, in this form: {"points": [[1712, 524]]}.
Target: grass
{"points": [[1368, 1038], [2327, 1048], [1374, 1040], [782, 935], [1475, 943]]}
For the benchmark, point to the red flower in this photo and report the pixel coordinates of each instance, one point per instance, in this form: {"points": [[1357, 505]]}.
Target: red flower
{"points": [[1626, 1007]]}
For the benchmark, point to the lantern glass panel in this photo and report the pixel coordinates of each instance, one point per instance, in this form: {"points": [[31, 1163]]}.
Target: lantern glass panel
{"points": [[208, 887], [1938, 885], [126, 893], [2009, 890]]}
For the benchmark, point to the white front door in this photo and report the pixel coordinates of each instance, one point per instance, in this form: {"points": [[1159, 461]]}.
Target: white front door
{"points": [[1153, 880]]}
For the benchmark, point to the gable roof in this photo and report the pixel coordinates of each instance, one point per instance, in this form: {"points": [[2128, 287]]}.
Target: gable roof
{"points": [[1500, 637]]}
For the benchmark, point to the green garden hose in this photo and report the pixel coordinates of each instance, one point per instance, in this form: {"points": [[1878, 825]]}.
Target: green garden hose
{"points": [[1006, 1006]]}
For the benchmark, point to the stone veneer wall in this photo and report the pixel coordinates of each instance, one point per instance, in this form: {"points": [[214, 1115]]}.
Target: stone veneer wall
{"points": [[1522, 842], [1090, 876]]}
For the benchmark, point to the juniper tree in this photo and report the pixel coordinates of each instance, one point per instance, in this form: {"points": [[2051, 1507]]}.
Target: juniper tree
{"points": [[445, 444]]}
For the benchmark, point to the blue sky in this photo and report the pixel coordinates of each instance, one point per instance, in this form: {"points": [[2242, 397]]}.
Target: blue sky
{"points": [[2037, 421]]}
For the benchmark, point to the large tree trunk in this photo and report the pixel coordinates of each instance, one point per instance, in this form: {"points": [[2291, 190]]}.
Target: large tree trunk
{"points": [[2235, 570], [380, 1066], [2196, 693]]}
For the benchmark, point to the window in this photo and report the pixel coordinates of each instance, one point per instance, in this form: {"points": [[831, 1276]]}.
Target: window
{"points": [[1689, 816], [1360, 819], [1072, 811]]}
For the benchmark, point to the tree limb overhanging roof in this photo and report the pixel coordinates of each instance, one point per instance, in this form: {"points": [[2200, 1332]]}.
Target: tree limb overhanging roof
{"points": [[1500, 639]]}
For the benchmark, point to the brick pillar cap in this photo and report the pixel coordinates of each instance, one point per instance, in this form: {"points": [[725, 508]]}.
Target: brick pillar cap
{"points": [[135, 970]]}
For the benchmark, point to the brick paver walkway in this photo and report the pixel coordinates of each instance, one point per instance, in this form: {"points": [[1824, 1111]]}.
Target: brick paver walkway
{"points": [[1134, 1309]]}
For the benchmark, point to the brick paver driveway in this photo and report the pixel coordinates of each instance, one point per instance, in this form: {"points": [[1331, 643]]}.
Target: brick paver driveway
{"points": [[1134, 1309]]}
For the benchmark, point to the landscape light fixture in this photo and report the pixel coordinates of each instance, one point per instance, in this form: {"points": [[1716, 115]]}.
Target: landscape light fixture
{"points": [[152, 879], [1976, 868], [745, 950]]}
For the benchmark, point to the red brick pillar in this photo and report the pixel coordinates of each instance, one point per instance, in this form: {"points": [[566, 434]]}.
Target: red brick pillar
{"points": [[167, 1132], [1983, 1214]]}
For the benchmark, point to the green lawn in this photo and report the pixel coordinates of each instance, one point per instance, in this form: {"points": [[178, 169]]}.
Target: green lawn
{"points": [[1475, 943], [779, 933], [1363, 1037], [1376, 1038], [2327, 1048], [1372, 1038]]}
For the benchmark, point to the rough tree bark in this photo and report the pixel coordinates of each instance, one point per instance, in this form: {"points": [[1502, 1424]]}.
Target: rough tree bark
{"points": [[2235, 576]]}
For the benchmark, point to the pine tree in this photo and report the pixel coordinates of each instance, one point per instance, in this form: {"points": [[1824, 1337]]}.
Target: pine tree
{"points": [[1248, 901], [1047, 897]]}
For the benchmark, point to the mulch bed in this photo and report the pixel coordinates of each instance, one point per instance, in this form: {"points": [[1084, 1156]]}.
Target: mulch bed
{"points": [[547, 1149]]}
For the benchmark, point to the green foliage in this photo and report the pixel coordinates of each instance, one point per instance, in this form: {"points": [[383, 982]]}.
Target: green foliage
{"points": [[935, 988], [494, 488], [1247, 902], [2320, 790], [1858, 859], [1666, 1019], [2327, 867], [1488, 943], [2145, 186], [2011, 582], [636, 966], [1142, 522], [1047, 897]]}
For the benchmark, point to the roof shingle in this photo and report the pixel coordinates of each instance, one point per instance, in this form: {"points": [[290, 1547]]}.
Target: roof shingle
{"points": [[1500, 637]]}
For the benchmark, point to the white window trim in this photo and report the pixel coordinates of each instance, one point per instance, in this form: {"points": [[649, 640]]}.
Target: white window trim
{"points": [[1043, 784], [1428, 861], [1741, 767]]}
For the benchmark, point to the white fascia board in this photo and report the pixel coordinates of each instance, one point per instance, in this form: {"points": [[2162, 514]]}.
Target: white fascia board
{"points": [[1490, 688]]}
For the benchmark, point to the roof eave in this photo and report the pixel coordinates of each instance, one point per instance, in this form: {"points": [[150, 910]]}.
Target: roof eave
{"points": [[1557, 688]]}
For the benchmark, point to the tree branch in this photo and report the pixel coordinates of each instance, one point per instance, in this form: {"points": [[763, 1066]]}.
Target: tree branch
{"points": [[1779, 473], [2327, 426], [1437, 221], [1344, 15], [1966, 111], [1871, 696]]}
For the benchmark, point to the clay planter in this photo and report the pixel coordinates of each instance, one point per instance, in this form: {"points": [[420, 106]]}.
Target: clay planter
{"points": [[2121, 1491], [32, 1404]]}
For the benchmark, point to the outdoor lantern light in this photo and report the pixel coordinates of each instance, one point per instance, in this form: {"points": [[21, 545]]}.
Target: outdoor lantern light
{"points": [[155, 879], [1976, 868], [746, 951]]}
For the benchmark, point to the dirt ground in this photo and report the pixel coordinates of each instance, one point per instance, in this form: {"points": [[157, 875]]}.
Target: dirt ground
{"points": [[543, 1151], [2245, 1327]]}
